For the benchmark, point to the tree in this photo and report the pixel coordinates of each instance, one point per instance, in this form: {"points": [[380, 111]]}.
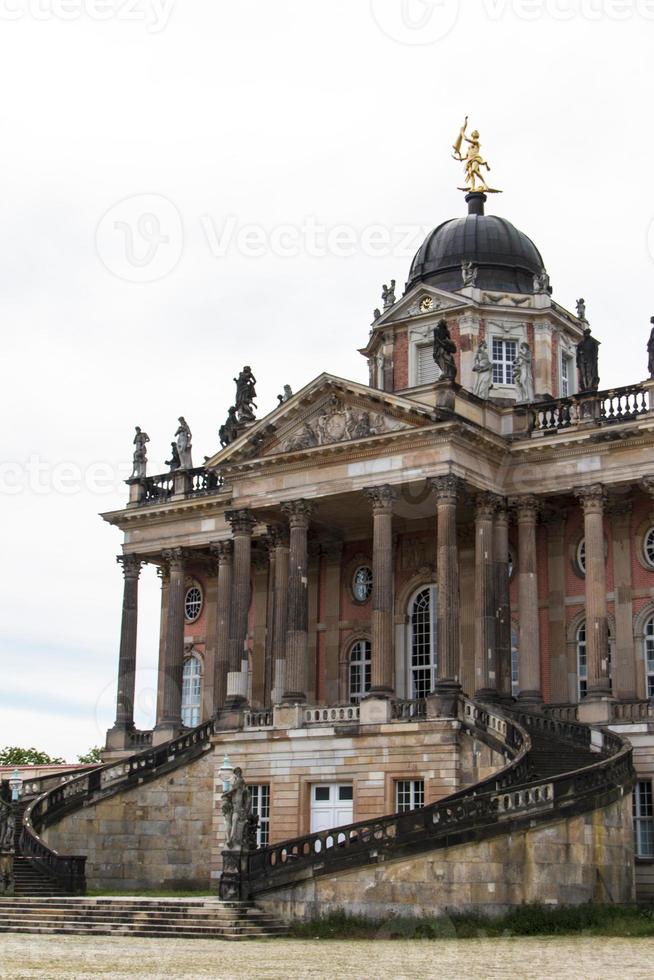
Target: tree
{"points": [[12, 755], [93, 755]]}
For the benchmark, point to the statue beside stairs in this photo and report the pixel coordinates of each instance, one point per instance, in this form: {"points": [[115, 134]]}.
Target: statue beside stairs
{"points": [[7, 848], [240, 838]]}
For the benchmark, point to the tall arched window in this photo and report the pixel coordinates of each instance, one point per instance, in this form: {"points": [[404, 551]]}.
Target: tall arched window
{"points": [[423, 658], [191, 692], [582, 661], [515, 664], [649, 656], [360, 670]]}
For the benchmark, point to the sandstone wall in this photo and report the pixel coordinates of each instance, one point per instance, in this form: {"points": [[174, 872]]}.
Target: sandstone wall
{"points": [[158, 835], [583, 859]]}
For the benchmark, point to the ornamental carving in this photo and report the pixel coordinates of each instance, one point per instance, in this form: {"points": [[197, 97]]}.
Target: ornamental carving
{"points": [[592, 498], [131, 565], [381, 498], [222, 551], [338, 422], [242, 521], [298, 512], [446, 488]]}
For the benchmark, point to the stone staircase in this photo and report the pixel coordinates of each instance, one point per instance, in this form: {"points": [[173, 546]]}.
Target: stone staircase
{"points": [[155, 918], [28, 880], [551, 756]]}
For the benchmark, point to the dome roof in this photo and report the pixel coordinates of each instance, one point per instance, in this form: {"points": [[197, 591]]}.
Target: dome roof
{"points": [[506, 259]]}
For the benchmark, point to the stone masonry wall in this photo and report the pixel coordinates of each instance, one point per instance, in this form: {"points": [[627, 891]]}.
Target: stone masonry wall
{"points": [[157, 835], [588, 858]]}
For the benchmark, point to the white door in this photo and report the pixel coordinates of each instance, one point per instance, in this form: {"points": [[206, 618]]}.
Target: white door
{"points": [[331, 806]]}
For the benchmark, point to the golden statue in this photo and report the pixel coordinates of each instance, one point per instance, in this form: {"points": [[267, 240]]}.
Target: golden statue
{"points": [[474, 161]]}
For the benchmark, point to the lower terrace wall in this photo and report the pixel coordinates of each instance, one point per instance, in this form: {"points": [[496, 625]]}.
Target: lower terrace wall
{"points": [[169, 833], [587, 858]]}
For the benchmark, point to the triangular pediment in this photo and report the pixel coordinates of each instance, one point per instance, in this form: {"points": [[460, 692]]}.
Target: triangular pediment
{"points": [[421, 300], [328, 413]]}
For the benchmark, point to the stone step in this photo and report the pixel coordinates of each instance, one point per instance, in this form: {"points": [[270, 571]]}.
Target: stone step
{"points": [[144, 933]]}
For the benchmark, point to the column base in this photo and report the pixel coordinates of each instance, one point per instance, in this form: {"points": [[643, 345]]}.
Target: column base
{"points": [[531, 700], [294, 697], [595, 711], [375, 709], [288, 716], [488, 694], [229, 718], [444, 699], [234, 702], [166, 731]]}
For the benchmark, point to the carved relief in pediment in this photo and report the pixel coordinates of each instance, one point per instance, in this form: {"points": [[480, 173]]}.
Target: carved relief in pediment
{"points": [[338, 422]]}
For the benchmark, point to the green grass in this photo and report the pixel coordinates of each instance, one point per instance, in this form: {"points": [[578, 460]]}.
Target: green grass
{"points": [[530, 920]]}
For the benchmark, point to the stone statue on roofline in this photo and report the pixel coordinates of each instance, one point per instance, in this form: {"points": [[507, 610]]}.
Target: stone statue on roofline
{"points": [[245, 395], [444, 351], [184, 440], [523, 373], [173, 463], [140, 454], [587, 362], [468, 272], [229, 431], [388, 295], [650, 350], [286, 396]]}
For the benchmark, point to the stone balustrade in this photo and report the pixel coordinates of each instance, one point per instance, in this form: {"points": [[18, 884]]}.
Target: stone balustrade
{"points": [[613, 405]]}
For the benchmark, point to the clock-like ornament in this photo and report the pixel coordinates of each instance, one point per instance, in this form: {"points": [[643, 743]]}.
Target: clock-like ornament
{"points": [[426, 304]]}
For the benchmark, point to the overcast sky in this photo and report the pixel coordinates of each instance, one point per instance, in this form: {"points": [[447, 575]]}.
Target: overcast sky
{"points": [[192, 185]]}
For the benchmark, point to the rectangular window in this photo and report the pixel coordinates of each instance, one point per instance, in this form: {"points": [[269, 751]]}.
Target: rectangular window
{"points": [[565, 379], [261, 809], [649, 656], [409, 794], [428, 370], [643, 819], [504, 354]]}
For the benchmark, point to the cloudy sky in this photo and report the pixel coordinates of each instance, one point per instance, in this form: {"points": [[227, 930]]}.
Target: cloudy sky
{"points": [[190, 185]]}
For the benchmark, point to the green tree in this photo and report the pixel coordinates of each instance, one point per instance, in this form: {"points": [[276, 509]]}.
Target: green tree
{"points": [[12, 755], [93, 755]]}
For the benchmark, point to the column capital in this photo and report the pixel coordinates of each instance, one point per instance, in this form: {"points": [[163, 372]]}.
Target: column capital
{"points": [[131, 565], [241, 521], [446, 488], [527, 507], [592, 498], [174, 558], [163, 574], [277, 536], [486, 505], [297, 512], [381, 498], [222, 551]]}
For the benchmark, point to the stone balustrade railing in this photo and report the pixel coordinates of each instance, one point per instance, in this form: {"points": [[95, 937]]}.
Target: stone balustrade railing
{"points": [[508, 797], [345, 714], [632, 711], [408, 710], [258, 719], [613, 405], [159, 489]]}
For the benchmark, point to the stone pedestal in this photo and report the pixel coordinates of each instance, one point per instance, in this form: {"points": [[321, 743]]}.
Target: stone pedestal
{"points": [[375, 711], [234, 885], [445, 393], [595, 711], [288, 716], [7, 888], [444, 700]]}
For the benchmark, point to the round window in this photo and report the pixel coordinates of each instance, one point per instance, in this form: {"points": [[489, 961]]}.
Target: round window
{"points": [[193, 603], [362, 583], [581, 556], [648, 547]]}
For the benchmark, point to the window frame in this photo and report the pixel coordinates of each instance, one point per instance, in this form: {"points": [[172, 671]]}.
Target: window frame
{"points": [[643, 817], [583, 678], [648, 655], [260, 797], [188, 705], [364, 665], [414, 792], [649, 562], [503, 366], [190, 588], [363, 566], [414, 669]]}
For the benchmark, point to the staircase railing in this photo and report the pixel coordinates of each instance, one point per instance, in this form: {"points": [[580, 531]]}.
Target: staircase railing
{"points": [[114, 777], [485, 809]]}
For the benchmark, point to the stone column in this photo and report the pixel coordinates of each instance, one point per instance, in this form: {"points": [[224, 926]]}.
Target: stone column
{"points": [[127, 656], [447, 566], [485, 608], [624, 666], [298, 513], [333, 556], [597, 635], [502, 601], [529, 634], [242, 522], [280, 544], [223, 552], [173, 666], [555, 522], [382, 499]]}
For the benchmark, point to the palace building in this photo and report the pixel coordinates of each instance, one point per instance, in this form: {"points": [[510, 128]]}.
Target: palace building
{"points": [[418, 613]]}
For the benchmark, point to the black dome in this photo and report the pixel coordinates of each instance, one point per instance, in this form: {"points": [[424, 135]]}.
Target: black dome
{"points": [[506, 259]]}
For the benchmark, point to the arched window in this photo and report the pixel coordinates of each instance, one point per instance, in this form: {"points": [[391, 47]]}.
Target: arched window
{"points": [[191, 692], [360, 670], [582, 661], [515, 664], [649, 656], [423, 659]]}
